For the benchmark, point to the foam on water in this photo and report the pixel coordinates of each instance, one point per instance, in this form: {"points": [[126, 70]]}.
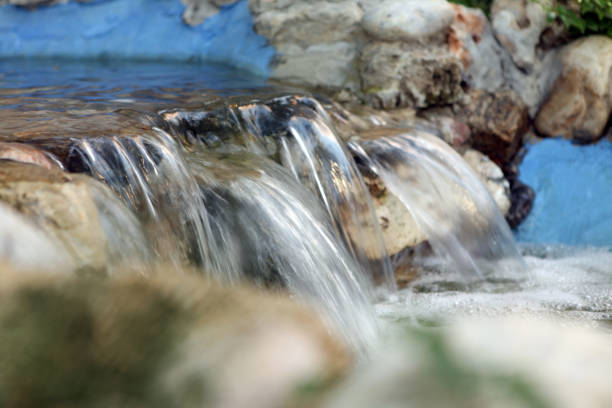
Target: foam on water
{"points": [[566, 282]]}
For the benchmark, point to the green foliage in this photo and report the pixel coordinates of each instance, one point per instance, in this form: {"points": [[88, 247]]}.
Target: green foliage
{"points": [[593, 16], [484, 5]]}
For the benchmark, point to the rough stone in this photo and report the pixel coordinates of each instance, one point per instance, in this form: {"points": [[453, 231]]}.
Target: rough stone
{"points": [[489, 65], [400, 75], [61, 204], [580, 103], [320, 65], [196, 11], [497, 122], [492, 177], [167, 340], [518, 25], [408, 20]]}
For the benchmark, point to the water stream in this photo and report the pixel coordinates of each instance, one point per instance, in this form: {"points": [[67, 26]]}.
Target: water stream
{"points": [[240, 181]]}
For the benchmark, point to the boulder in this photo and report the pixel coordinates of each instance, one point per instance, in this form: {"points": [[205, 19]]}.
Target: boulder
{"points": [[497, 122], [580, 103], [166, 340], [411, 20], [518, 25], [64, 206], [489, 66], [398, 74], [316, 42]]}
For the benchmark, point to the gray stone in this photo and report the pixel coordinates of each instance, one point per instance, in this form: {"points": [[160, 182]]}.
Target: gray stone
{"points": [[408, 20], [400, 74], [518, 25]]}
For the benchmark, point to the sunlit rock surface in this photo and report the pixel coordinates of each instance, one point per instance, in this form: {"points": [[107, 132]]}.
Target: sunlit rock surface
{"points": [[74, 211], [143, 29], [580, 103], [166, 340], [573, 187]]}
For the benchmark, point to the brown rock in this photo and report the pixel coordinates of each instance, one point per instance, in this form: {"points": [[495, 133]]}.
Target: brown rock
{"points": [[580, 103], [497, 121]]}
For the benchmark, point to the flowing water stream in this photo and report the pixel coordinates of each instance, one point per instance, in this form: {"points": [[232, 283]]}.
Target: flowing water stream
{"points": [[215, 169]]}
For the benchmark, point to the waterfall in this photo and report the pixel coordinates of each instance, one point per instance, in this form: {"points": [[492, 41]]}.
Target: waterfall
{"points": [[447, 200], [297, 133], [235, 216]]}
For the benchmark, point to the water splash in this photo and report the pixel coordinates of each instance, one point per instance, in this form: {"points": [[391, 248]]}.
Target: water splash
{"points": [[447, 200]]}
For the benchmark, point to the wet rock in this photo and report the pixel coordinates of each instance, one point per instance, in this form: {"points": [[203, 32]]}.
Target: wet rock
{"points": [[398, 227], [156, 342], [580, 103], [400, 74], [518, 25], [63, 205], [25, 246], [498, 122], [412, 20], [196, 11], [492, 177], [522, 197], [27, 154]]}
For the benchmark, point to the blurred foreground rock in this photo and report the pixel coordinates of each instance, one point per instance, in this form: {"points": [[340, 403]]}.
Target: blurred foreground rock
{"points": [[156, 342], [510, 362]]}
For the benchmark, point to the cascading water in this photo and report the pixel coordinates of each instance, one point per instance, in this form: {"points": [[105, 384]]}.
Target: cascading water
{"points": [[237, 216], [447, 200], [296, 132]]}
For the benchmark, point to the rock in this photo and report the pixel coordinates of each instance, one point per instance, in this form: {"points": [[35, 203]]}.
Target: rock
{"points": [[489, 65], [580, 103], [411, 20], [522, 197], [399, 229], [24, 246], [492, 177], [322, 65], [518, 25], [316, 42], [497, 122], [157, 342], [511, 361], [65, 207], [400, 75], [27, 154]]}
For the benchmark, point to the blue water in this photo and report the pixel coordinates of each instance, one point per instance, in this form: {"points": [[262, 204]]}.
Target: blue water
{"points": [[573, 187], [136, 29]]}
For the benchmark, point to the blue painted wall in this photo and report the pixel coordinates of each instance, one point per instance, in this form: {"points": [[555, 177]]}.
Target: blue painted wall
{"points": [[137, 29], [573, 187]]}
